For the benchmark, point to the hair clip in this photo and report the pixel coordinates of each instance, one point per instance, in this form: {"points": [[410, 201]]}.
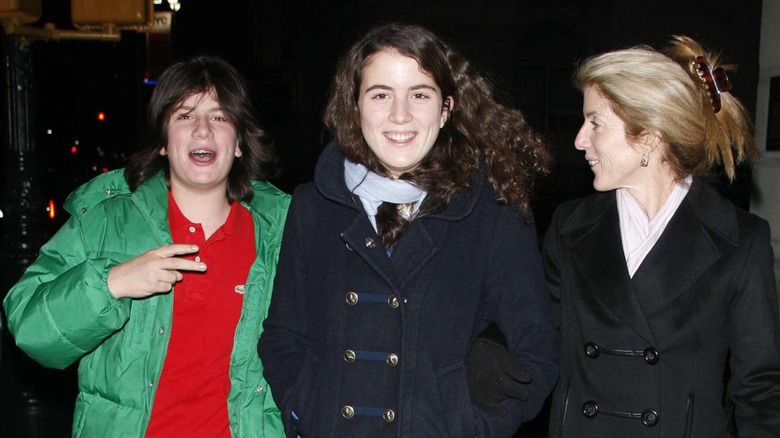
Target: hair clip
{"points": [[714, 81]]}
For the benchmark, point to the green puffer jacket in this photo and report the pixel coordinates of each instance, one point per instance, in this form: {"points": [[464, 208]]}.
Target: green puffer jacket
{"points": [[61, 311]]}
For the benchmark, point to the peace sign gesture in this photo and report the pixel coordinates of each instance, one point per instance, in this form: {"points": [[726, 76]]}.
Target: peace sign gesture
{"points": [[152, 272]]}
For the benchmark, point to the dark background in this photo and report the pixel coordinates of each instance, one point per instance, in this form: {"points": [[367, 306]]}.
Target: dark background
{"points": [[287, 51]]}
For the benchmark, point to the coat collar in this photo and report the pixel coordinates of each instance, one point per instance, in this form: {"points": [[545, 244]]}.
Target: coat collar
{"points": [[421, 241], [681, 256], [329, 180]]}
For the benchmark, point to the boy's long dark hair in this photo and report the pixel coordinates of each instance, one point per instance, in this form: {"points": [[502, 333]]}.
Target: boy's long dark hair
{"points": [[205, 74]]}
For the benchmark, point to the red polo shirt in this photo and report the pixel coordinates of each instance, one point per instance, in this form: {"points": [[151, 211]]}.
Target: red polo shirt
{"points": [[191, 397]]}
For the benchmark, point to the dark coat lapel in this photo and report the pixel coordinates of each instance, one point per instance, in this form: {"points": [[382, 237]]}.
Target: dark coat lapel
{"points": [[667, 271], [363, 240], [597, 251], [413, 252], [418, 244]]}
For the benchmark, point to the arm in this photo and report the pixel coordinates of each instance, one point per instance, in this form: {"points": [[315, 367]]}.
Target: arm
{"points": [[283, 346], [520, 306], [754, 338], [552, 269], [61, 308]]}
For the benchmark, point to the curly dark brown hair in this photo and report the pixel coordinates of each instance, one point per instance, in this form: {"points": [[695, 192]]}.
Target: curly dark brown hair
{"points": [[480, 135]]}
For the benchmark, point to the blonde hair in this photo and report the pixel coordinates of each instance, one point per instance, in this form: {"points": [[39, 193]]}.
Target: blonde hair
{"points": [[661, 93]]}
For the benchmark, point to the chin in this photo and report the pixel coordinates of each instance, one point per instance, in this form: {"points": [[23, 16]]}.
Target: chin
{"points": [[600, 187]]}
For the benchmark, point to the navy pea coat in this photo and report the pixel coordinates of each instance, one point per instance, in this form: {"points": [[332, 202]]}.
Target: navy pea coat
{"points": [[359, 344], [646, 356]]}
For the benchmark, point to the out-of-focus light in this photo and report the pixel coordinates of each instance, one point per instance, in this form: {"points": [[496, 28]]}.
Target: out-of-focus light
{"points": [[74, 149], [52, 209], [158, 2], [148, 80], [1, 214], [105, 169], [101, 116], [49, 131]]}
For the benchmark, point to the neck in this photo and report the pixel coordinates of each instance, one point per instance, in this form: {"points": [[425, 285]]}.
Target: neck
{"points": [[652, 193], [210, 209]]}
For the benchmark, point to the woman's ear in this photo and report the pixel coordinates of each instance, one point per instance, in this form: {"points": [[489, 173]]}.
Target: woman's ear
{"points": [[163, 152], [446, 109], [649, 145]]}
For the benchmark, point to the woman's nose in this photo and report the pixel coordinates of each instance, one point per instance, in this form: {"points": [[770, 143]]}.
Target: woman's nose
{"points": [[581, 140], [399, 113]]}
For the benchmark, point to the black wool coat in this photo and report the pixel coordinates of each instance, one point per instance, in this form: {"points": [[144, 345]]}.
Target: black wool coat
{"points": [[646, 356], [359, 344]]}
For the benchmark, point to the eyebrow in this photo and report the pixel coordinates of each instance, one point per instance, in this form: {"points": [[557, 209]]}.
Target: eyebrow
{"points": [[190, 108], [414, 87]]}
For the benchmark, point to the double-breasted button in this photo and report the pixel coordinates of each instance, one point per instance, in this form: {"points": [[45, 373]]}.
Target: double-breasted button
{"points": [[347, 412], [349, 356], [392, 301], [370, 243], [389, 415], [651, 356], [590, 409], [649, 417], [592, 350], [392, 359], [351, 298]]}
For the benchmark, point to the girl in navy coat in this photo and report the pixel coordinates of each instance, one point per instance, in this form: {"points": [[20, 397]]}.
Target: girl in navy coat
{"points": [[662, 287], [415, 235]]}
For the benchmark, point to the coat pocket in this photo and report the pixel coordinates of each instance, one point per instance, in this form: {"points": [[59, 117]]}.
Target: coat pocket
{"points": [[689, 417], [558, 421], [455, 400]]}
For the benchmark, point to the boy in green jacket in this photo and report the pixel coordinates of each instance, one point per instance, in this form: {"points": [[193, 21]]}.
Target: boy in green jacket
{"points": [[159, 281]]}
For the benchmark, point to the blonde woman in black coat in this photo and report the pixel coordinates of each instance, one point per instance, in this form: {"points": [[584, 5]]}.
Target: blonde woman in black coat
{"points": [[662, 287]]}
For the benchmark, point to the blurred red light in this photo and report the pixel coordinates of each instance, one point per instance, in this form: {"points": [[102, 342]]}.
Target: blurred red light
{"points": [[51, 209]]}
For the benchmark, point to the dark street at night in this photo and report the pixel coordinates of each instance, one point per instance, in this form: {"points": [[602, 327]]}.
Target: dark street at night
{"points": [[90, 97]]}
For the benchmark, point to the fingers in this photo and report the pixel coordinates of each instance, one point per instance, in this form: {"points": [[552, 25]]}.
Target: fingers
{"points": [[176, 249], [174, 263], [517, 371], [512, 388], [180, 264], [168, 280], [155, 271], [495, 408]]}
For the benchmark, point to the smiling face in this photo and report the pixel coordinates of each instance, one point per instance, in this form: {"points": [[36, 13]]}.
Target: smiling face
{"points": [[613, 159], [401, 111], [202, 144]]}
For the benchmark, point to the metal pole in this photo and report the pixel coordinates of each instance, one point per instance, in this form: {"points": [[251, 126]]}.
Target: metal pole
{"points": [[34, 401]]}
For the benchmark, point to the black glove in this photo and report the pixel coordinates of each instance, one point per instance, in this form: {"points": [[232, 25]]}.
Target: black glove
{"points": [[493, 373]]}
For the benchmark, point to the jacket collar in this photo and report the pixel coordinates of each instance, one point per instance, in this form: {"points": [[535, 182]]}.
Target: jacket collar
{"points": [[667, 272], [329, 180]]}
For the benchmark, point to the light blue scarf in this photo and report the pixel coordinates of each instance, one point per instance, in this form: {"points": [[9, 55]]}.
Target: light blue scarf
{"points": [[374, 189]]}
